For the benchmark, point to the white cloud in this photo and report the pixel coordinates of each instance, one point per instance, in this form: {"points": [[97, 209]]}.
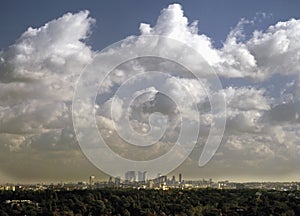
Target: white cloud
{"points": [[172, 23], [39, 71], [38, 74], [275, 50], [246, 98], [55, 48]]}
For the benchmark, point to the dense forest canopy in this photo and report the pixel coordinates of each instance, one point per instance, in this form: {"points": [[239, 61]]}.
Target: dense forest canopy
{"points": [[110, 201]]}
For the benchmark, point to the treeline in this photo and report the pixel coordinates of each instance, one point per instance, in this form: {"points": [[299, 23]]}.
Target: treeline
{"points": [[150, 202]]}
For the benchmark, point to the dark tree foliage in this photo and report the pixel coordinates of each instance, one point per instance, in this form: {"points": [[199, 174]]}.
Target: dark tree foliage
{"points": [[151, 202]]}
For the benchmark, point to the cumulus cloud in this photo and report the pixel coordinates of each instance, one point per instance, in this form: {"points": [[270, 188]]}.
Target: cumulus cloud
{"points": [[38, 75], [54, 48], [172, 23], [275, 50], [254, 117]]}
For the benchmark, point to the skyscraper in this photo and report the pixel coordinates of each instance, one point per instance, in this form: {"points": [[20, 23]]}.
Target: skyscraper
{"points": [[130, 176], [173, 180], [142, 176], [92, 180]]}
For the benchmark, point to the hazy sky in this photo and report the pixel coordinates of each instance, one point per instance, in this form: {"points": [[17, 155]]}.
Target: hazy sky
{"points": [[254, 48]]}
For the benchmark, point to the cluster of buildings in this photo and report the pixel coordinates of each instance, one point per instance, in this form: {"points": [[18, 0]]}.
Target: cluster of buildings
{"points": [[132, 176], [22, 187], [140, 180]]}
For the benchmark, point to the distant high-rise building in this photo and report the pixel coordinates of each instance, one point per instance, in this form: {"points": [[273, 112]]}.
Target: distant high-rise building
{"points": [[180, 177], [161, 179], [92, 180], [151, 184], [142, 176], [173, 180], [130, 176], [118, 180]]}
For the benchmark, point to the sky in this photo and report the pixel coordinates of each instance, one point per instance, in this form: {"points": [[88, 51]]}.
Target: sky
{"points": [[252, 47]]}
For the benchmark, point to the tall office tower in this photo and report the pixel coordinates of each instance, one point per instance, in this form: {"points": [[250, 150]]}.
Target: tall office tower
{"points": [[92, 180], [161, 179], [145, 176], [118, 180], [173, 180], [142, 176], [130, 176], [180, 178]]}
